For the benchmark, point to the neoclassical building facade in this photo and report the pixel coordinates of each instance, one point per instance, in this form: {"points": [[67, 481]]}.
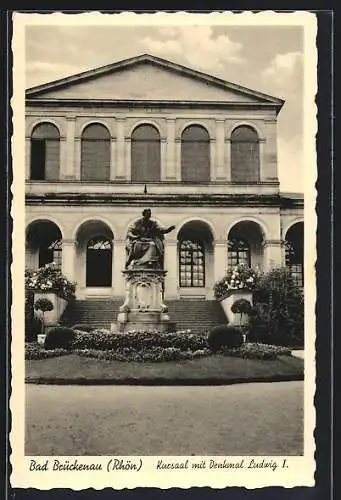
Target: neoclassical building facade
{"points": [[145, 132]]}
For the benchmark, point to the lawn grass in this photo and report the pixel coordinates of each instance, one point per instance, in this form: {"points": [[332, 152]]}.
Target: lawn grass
{"points": [[211, 370]]}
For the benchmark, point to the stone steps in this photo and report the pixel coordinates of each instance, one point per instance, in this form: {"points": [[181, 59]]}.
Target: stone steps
{"points": [[193, 314]]}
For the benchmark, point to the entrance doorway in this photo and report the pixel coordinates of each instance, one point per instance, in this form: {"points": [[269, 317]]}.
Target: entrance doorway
{"points": [[99, 262]]}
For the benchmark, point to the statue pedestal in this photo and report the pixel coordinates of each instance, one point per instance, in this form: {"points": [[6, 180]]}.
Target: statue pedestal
{"points": [[143, 308]]}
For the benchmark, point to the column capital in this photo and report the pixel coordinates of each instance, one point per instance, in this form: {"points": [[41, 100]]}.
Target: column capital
{"points": [[170, 242], [273, 243], [68, 241], [120, 119], [71, 118], [119, 241], [171, 120]]}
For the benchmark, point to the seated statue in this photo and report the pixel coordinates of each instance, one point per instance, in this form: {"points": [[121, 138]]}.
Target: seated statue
{"points": [[145, 243]]}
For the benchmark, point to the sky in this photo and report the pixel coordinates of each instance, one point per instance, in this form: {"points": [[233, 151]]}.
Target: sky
{"points": [[264, 58]]}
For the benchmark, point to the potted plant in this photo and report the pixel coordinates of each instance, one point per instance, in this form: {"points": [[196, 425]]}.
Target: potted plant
{"points": [[44, 305], [238, 283], [241, 308], [49, 282]]}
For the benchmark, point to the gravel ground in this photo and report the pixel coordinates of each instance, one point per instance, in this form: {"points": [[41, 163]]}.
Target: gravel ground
{"points": [[243, 419]]}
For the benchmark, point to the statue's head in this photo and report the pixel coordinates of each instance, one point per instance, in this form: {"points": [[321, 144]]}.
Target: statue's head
{"points": [[147, 213]]}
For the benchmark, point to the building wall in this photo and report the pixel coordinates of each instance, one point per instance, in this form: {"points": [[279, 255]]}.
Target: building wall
{"points": [[170, 123], [83, 209], [213, 221]]}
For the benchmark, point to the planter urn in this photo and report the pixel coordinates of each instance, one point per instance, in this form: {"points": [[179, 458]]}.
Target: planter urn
{"points": [[59, 305], [227, 302]]}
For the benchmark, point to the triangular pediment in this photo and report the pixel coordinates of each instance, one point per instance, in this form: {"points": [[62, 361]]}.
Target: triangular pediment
{"points": [[147, 78]]}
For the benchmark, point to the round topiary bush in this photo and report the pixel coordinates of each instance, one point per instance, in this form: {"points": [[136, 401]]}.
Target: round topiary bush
{"points": [[59, 337], [224, 336], [83, 327], [241, 306]]}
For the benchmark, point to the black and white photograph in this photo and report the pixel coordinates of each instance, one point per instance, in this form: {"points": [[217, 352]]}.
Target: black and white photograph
{"points": [[163, 177]]}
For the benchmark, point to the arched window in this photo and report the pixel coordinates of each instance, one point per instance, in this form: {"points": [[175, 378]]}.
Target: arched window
{"points": [[51, 252], [192, 263], [45, 153], [145, 154], [294, 253], [245, 155], [99, 262], [95, 153], [238, 252], [195, 154]]}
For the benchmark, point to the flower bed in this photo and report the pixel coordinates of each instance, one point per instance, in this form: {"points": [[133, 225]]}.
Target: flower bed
{"points": [[36, 351], [151, 347], [257, 351], [153, 354]]}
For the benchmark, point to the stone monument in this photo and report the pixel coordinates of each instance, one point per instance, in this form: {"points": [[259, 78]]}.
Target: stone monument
{"points": [[143, 308]]}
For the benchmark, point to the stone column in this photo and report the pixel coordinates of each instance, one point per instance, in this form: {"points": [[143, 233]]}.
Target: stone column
{"points": [[262, 172], [28, 158], [177, 166], [213, 159], [127, 159], [273, 254], [171, 266], [77, 158], [220, 170], [171, 158], [67, 151], [163, 158], [220, 259], [69, 258], [118, 264], [227, 168], [120, 170], [113, 158]]}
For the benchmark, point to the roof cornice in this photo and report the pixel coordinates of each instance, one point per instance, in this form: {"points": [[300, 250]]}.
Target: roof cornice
{"points": [[134, 103], [37, 91], [153, 200]]}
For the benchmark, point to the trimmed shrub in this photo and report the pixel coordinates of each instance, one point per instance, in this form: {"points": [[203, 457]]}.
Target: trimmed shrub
{"points": [[83, 327], [44, 305], [59, 337], [241, 306], [104, 340], [224, 336], [279, 318]]}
